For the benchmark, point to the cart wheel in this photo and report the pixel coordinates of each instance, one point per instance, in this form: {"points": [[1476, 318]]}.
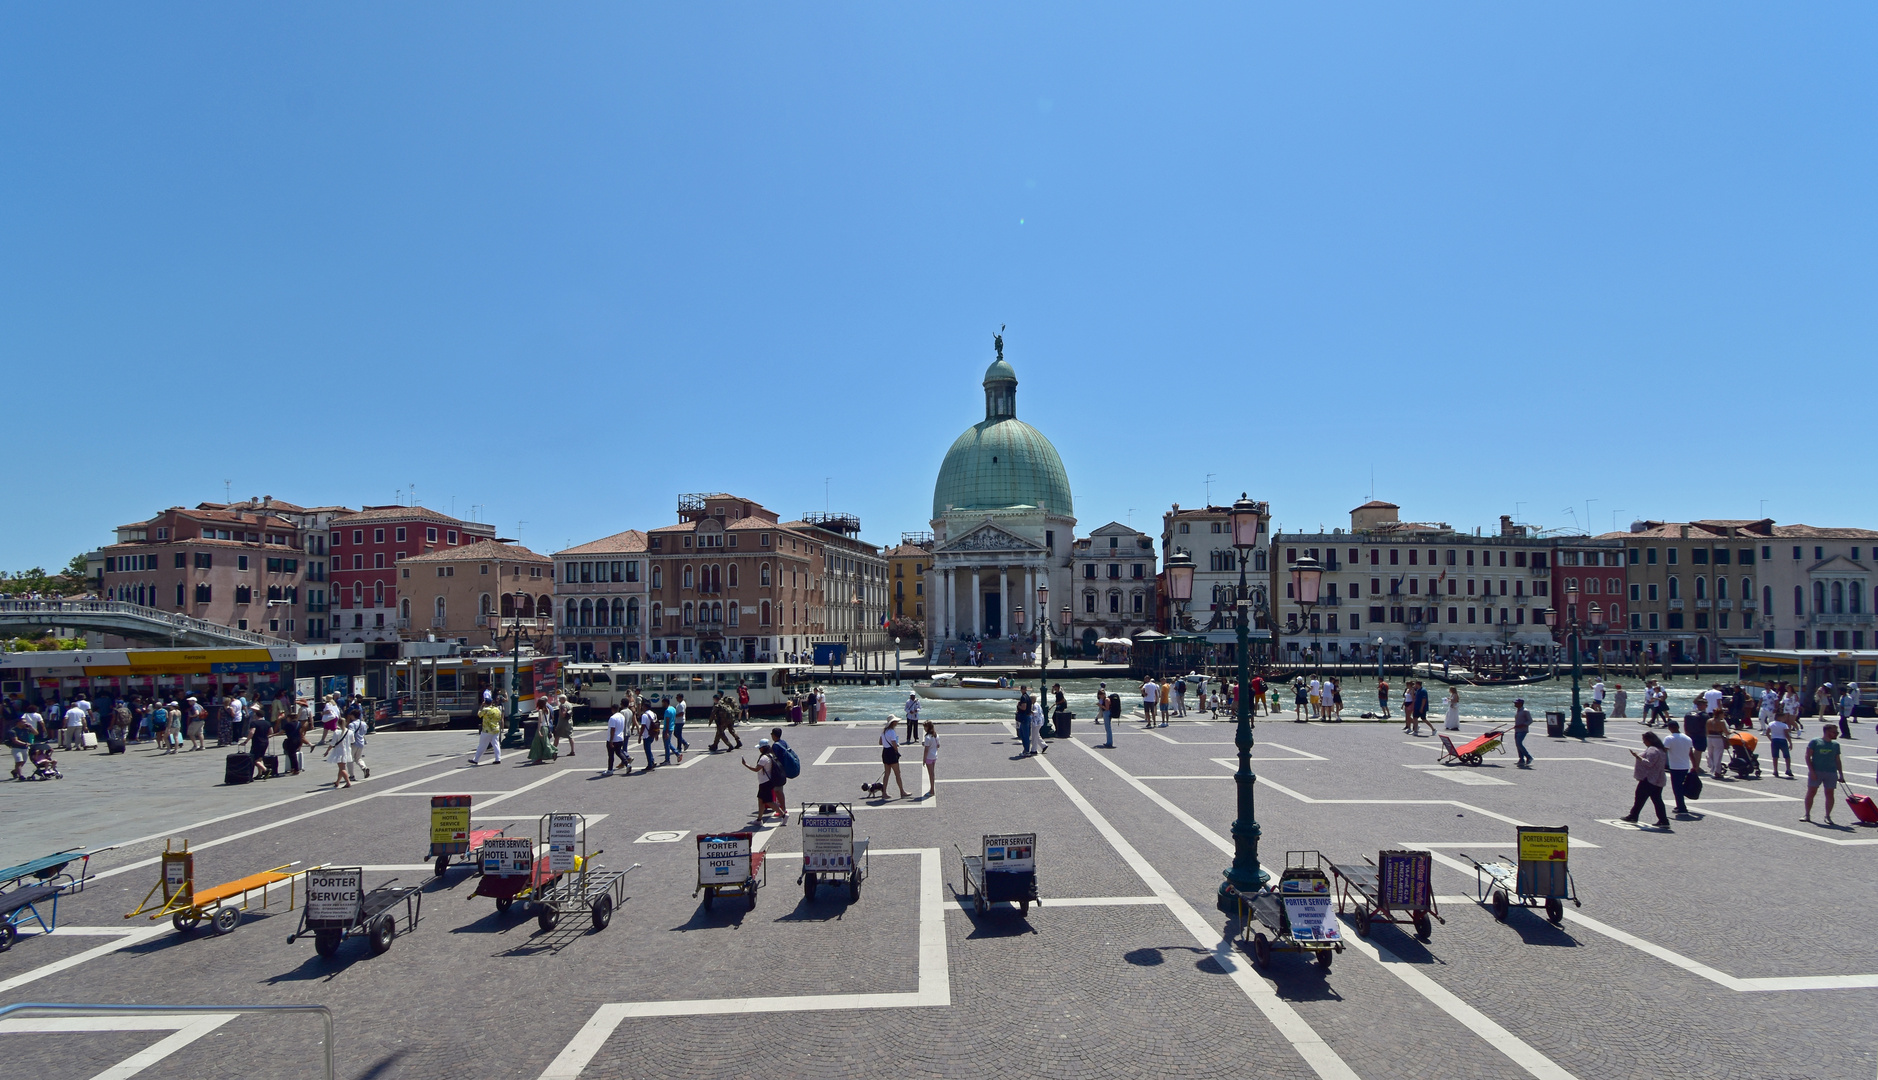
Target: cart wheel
{"points": [[326, 942], [1555, 910], [854, 889], [1324, 957], [1424, 926], [752, 892], [1499, 904], [382, 932], [602, 912], [1362, 922], [504, 903], [184, 922], [980, 900], [547, 916], [1261, 950], [443, 864], [708, 894], [225, 920], [7, 933], [1472, 759], [808, 887]]}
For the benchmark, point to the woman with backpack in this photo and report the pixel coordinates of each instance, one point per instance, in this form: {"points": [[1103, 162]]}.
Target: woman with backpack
{"points": [[787, 767]]}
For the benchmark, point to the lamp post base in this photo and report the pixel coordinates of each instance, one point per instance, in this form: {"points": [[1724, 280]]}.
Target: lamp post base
{"points": [[1576, 729]]}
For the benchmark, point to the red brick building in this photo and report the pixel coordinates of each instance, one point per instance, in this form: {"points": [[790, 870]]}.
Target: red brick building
{"points": [[364, 550], [732, 582]]}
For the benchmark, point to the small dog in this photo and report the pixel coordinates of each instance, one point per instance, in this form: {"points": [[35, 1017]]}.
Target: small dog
{"points": [[875, 791]]}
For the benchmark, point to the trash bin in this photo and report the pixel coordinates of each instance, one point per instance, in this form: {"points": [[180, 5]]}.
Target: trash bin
{"points": [[1060, 723], [1554, 724], [1594, 724]]}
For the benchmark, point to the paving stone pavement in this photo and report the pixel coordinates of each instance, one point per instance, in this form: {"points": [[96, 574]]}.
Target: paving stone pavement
{"points": [[1073, 990]]}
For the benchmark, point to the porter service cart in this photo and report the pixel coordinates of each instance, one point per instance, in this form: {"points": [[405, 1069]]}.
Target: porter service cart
{"points": [[1299, 912], [830, 852], [186, 906], [1541, 877], [576, 881], [337, 907], [727, 866], [1395, 887], [451, 835], [1005, 869]]}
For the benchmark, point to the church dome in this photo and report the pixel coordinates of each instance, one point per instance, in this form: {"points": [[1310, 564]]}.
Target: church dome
{"points": [[1001, 462]]}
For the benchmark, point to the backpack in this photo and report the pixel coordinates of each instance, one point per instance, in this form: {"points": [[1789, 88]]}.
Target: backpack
{"points": [[791, 764]]}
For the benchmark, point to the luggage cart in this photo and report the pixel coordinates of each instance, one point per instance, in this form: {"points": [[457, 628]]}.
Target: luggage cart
{"points": [[186, 906], [1395, 887], [829, 850], [510, 871], [1472, 751], [726, 865], [20, 898], [337, 906], [577, 881], [1004, 870], [1541, 878], [451, 834], [1299, 912]]}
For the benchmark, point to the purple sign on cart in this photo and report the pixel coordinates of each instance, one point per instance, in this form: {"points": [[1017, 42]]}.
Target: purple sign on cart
{"points": [[1405, 877]]}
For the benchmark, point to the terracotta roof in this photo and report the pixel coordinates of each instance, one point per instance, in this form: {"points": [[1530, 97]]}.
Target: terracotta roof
{"points": [[908, 551], [481, 551], [680, 527], [412, 513], [1377, 504], [1815, 532], [628, 542]]}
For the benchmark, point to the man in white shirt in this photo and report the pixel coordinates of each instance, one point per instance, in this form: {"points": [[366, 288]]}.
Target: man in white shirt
{"points": [[1712, 699], [1681, 751], [648, 730], [616, 742], [72, 736], [1597, 694], [1150, 693]]}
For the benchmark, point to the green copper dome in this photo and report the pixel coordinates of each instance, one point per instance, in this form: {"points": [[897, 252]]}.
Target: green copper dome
{"points": [[1001, 462]]}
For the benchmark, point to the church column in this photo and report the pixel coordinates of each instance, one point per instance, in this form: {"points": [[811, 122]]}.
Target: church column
{"points": [[978, 603], [1030, 588], [1004, 600], [945, 585]]}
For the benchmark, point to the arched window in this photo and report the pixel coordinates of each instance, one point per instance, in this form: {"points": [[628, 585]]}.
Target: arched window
{"points": [[733, 575], [1858, 597], [1721, 588], [440, 612], [1675, 588], [632, 611], [762, 612], [1591, 585], [1838, 598], [508, 606], [731, 608], [1617, 614], [573, 614], [1799, 600], [1571, 584], [619, 612], [404, 608], [688, 613], [717, 611], [1819, 597], [1701, 588], [658, 618], [687, 577], [1115, 603], [763, 579], [586, 612], [1767, 600], [1613, 586], [378, 594]]}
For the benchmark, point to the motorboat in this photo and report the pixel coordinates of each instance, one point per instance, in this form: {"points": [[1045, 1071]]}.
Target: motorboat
{"points": [[951, 686]]}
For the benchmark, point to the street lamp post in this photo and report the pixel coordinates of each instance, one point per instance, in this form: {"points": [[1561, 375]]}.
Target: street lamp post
{"points": [[1244, 876], [1068, 644], [1179, 588], [1573, 631], [1379, 661], [1043, 635]]}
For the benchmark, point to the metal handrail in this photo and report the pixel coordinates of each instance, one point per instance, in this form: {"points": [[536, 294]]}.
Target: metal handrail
{"points": [[124, 607], [44, 1008]]}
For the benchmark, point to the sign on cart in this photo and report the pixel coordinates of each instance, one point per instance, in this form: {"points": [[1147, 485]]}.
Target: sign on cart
{"points": [[723, 860], [1016, 851], [563, 829], [828, 842], [507, 856], [333, 895], [1312, 918]]}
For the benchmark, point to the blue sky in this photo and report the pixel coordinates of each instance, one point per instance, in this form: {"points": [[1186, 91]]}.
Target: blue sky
{"points": [[564, 263]]}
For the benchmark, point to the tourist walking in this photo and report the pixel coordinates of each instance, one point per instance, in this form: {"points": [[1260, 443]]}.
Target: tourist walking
{"points": [[1716, 729], [561, 715], [356, 732], [259, 734], [1102, 714], [890, 756], [649, 722], [1150, 690], [1522, 723], [1619, 701], [765, 770], [1848, 706], [677, 726], [293, 737], [489, 719], [779, 772], [1779, 744], [912, 709], [340, 755], [1824, 768], [616, 742], [1651, 773], [1679, 751], [726, 732], [1300, 700]]}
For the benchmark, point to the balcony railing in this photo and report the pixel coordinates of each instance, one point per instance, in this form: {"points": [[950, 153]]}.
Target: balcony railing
{"points": [[1675, 605], [1840, 618]]}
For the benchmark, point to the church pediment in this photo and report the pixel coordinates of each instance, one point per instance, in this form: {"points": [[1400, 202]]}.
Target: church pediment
{"points": [[990, 538]]}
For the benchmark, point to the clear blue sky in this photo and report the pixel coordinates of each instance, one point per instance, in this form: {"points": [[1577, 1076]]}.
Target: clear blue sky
{"points": [[565, 262]]}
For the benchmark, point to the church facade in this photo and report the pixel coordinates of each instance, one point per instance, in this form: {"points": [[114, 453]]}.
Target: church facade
{"points": [[1003, 524]]}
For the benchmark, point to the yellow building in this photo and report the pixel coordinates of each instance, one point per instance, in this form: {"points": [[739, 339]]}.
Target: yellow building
{"points": [[906, 581]]}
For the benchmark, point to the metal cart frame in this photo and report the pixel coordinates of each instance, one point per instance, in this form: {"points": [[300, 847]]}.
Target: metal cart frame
{"points": [[577, 882], [829, 850], [186, 907], [1304, 883], [1395, 887], [727, 865], [337, 907], [1472, 751], [1004, 870], [452, 835], [1541, 878]]}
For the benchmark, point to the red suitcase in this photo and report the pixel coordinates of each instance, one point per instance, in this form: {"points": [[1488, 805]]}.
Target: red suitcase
{"points": [[1863, 808]]}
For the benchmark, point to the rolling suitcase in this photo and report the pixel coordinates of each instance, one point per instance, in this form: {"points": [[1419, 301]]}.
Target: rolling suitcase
{"points": [[115, 746], [273, 764], [240, 769], [1863, 808]]}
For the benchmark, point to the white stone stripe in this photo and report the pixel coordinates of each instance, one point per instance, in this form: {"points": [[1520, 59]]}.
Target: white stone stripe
{"points": [[935, 987], [1303, 1038], [184, 1029], [131, 938]]}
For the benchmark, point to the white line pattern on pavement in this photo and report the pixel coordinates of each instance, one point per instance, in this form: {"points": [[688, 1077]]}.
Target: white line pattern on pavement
{"points": [[184, 1030]]}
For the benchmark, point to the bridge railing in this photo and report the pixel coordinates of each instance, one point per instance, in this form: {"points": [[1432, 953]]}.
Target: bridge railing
{"points": [[178, 622]]}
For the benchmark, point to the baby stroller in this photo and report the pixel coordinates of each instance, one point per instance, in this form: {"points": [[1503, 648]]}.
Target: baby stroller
{"points": [[44, 768], [1742, 760]]}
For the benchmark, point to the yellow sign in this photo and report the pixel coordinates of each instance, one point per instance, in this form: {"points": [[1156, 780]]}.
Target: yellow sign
{"points": [[1546, 846], [449, 824]]}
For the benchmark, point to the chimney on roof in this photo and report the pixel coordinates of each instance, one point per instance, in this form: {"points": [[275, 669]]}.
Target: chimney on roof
{"points": [[1685, 532]]}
